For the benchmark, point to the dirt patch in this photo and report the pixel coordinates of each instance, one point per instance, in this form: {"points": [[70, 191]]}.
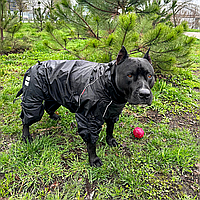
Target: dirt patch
{"points": [[6, 141], [14, 51], [179, 120]]}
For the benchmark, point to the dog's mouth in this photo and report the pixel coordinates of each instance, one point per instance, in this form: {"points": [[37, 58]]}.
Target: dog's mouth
{"points": [[143, 102], [141, 96]]}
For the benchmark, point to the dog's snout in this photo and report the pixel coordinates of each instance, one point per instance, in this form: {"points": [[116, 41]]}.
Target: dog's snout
{"points": [[144, 93]]}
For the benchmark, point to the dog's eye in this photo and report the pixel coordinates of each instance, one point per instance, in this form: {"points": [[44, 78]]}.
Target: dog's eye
{"points": [[130, 75], [149, 76]]}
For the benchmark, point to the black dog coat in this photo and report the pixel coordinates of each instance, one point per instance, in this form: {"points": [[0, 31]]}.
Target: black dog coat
{"points": [[85, 88]]}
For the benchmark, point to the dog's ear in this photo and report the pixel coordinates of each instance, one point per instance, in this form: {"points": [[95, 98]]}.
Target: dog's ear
{"points": [[122, 55], [147, 56]]}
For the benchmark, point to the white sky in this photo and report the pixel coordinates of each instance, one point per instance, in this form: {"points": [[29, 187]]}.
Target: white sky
{"points": [[193, 1], [197, 1]]}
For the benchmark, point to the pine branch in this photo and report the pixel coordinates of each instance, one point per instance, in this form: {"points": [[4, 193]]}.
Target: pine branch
{"points": [[114, 28], [64, 47], [167, 51], [52, 48], [183, 5], [161, 42], [79, 24], [112, 3], [133, 51], [183, 55], [138, 11], [149, 43], [126, 31], [107, 11], [162, 69], [163, 61], [64, 16], [88, 26], [164, 41]]}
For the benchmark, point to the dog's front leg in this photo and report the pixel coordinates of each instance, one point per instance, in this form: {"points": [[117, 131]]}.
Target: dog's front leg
{"points": [[109, 131], [26, 135], [94, 160]]}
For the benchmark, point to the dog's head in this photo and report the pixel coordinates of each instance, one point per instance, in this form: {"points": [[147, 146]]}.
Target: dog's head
{"points": [[134, 77]]}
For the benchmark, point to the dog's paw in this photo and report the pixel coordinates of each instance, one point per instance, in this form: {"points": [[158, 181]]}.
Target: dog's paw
{"points": [[27, 139], [96, 162], [111, 142], [55, 117]]}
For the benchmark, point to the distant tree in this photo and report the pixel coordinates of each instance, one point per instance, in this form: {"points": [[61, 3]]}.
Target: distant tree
{"points": [[9, 25], [21, 6], [8, 21], [49, 5], [40, 15], [186, 10], [2, 17], [177, 7], [33, 4]]}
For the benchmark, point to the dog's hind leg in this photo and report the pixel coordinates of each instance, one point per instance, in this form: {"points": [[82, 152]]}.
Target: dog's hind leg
{"points": [[31, 113], [51, 106], [109, 134], [26, 135]]}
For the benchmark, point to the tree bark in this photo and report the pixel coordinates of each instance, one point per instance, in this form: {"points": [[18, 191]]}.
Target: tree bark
{"points": [[1, 34], [1, 23]]}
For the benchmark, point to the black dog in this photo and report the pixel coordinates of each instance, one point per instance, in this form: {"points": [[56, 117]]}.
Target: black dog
{"points": [[96, 92]]}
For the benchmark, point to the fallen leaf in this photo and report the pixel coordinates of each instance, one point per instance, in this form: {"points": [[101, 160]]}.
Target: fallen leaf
{"points": [[55, 184]]}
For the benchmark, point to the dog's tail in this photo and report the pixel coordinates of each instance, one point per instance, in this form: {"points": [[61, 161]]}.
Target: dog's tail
{"points": [[21, 90], [18, 94]]}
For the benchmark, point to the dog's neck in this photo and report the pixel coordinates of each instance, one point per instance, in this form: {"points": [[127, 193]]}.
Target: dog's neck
{"points": [[114, 92]]}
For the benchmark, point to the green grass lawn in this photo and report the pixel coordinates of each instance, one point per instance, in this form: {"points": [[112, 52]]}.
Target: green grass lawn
{"points": [[164, 164]]}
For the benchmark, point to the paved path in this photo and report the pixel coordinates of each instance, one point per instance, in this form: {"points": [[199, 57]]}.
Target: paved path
{"points": [[194, 34]]}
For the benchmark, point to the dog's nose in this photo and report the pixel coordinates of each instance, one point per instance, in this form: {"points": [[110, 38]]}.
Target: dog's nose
{"points": [[144, 93]]}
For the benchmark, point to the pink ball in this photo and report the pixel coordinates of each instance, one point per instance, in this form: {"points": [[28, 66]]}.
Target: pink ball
{"points": [[138, 132]]}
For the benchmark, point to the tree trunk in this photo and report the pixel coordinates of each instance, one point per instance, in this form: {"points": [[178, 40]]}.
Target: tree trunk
{"points": [[41, 28], [174, 15], [1, 34], [174, 18], [20, 15]]}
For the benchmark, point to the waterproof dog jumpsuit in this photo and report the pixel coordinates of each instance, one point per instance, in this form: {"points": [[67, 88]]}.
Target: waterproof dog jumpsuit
{"points": [[85, 88]]}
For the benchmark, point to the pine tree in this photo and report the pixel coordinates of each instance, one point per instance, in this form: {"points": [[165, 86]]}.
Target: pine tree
{"points": [[49, 6], [39, 17], [2, 17], [169, 46], [8, 21], [22, 6], [9, 25]]}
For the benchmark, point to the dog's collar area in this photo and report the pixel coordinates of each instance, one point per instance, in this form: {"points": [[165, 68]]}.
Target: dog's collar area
{"points": [[110, 85]]}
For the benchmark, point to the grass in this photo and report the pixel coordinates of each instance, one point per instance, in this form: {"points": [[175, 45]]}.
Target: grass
{"points": [[193, 30], [164, 164]]}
